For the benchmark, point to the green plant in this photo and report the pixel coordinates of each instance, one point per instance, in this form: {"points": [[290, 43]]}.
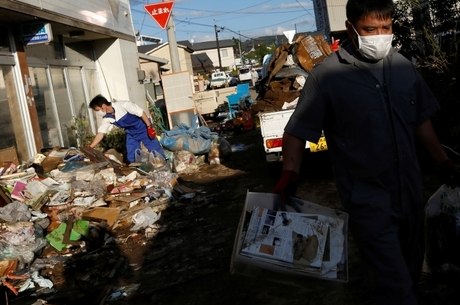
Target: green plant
{"points": [[115, 139], [158, 118], [81, 130]]}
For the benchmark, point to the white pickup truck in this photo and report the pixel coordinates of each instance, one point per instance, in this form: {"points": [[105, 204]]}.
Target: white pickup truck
{"points": [[244, 75], [218, 80], [272, 128]]}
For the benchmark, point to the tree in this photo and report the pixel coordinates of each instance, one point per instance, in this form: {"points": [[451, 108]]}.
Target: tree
{"points": [[427, 31], [446, 18], [445, 15], [259, 51], [414, 33], [237, 46]]}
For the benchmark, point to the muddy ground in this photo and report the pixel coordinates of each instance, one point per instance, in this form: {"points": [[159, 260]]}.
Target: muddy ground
{"points": [[188, 260]]}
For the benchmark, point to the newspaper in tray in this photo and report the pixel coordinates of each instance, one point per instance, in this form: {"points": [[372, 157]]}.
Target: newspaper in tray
{"points": [[292, 239]]}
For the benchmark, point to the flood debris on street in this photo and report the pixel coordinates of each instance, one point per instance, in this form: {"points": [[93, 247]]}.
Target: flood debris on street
{"points": [[287, 71], [73, 203]]}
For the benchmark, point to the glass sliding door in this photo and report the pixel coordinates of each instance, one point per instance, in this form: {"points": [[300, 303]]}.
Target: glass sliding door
{"points": [[64, 109], [7, 133], [77, 91], [46, 107], [61, 96], [81, 122]]}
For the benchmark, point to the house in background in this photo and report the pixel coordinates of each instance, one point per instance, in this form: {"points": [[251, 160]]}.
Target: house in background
{"points": [[162, 51], [202, 64], [151, 69], [142, 40], [227, 54]]}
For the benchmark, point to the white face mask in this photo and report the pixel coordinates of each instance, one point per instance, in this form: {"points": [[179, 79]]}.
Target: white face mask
{"points": [[374, 47], [101, 113]]}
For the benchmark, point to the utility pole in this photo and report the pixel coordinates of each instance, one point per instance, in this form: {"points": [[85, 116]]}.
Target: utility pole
{"points": [[218, 47], [239, 46], [173, 50]]}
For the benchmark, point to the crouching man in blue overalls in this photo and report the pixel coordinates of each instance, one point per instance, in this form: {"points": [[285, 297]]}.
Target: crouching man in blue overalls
{"points": [[132, 119]]}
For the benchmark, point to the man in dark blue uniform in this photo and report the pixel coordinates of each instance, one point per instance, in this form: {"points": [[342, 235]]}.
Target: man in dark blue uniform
{"points": [[372, 105], [132, 119]]}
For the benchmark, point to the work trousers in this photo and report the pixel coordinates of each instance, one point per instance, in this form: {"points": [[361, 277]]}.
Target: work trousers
{"points": [[387, 225]]}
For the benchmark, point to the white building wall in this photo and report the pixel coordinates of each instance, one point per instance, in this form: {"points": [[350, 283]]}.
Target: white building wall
{"points": [[117, 58], [114, 15], [330, 15], [118, 70], [336, 14]]}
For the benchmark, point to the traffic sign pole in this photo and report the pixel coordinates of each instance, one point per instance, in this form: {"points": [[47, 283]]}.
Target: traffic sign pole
{"points": [[161, 13], [173, 50]]}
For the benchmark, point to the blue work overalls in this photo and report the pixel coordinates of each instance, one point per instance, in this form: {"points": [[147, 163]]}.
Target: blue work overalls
{"points": [[136, 132]]}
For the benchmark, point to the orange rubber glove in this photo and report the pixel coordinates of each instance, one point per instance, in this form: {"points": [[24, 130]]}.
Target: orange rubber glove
{"points": [[151, 132], [286, 187]]}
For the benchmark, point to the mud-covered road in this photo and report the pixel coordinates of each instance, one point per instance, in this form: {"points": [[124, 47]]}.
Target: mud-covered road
{"points": [[188, 260]]}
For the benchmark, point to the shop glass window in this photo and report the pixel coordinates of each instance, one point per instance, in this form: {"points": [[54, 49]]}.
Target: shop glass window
{"points": [[64, 109], [7, 134], [46, 108], [4, 40]]}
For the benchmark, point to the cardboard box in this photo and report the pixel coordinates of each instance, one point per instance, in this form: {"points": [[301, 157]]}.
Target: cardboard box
{"points": [[8, 156], [263, 268]]}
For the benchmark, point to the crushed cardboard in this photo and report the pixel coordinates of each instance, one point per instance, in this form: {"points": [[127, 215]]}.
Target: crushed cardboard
{"points": [[8, 155], [109, 215], [305, 52]]}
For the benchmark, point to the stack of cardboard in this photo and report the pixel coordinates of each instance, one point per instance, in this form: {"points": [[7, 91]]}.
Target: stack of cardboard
{"points": [[287, 71]]}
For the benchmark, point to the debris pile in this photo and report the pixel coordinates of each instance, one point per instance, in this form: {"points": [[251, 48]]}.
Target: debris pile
{"points": [[67, 203], [287, 72], [235, 114]]}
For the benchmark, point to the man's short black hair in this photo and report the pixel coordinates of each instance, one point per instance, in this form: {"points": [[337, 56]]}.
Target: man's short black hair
{"points": [[98, 101], [356, 9]]}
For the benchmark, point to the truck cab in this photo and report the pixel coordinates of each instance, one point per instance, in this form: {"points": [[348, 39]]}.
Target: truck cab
{"points": [[244, 75], [218, 80]]}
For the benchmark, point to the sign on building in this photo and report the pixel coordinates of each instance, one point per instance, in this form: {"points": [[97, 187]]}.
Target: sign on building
{"points": [[37, 32]]}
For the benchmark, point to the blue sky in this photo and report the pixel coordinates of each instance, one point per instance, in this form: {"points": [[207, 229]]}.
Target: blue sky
{"points": [[245, 19]]}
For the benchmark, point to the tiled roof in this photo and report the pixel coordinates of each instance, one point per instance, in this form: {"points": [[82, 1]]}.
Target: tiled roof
{"points": [[209, 45]]}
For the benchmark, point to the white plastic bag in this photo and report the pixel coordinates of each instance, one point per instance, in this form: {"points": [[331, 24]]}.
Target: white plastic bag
{"points": [[151, 161], [145, 218], [446, 199], [443, 228]]}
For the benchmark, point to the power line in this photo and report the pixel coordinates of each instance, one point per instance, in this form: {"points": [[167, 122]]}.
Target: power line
{"points": [[301, 5], [243, 13], [282, 22], [221, 27], [218, 13], [189, 21]]}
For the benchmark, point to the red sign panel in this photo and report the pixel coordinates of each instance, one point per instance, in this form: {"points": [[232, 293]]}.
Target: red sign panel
{"points": [[160, 12]]}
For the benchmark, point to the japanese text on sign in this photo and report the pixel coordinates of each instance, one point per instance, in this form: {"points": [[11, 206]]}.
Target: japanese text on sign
{"points": [[163, 10], [160, 12]]}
